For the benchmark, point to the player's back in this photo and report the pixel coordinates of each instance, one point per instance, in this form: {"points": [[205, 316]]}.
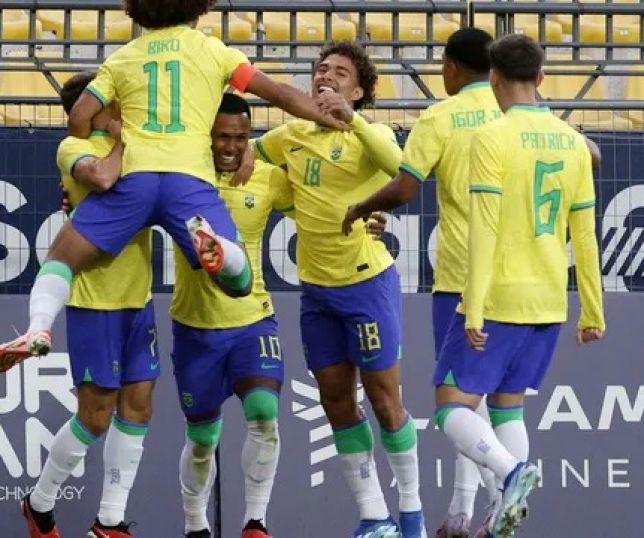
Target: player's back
{"points": [[111, 283], [440, 141], [169, 84], [543, 164]]}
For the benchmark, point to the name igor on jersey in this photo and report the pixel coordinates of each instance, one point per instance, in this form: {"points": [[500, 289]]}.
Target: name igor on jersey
{"points": [[169, 83], [531, 173], [111, 283], [199, 303], [440, 141], [328, 171]]}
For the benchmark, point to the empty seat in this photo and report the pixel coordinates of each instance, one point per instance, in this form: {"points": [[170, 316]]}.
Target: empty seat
{"points": [[84, 24], [411, 26], [529, 25], [635, 92], [30, 84], [238, 30], [267, 117], [15, 25]]}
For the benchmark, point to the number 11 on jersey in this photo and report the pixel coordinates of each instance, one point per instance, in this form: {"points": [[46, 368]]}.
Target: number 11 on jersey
{"points": [[152, 70]]}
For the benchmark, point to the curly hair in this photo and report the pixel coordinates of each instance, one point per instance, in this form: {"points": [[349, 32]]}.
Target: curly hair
{"points": [[155, 14], [367, 72]]}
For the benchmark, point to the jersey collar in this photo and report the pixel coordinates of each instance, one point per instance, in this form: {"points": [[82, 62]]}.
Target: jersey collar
{"points": [[474, 85], [528, 107]]}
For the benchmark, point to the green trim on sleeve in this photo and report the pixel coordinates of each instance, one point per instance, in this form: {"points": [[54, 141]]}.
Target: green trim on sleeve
{"points": [[412, 171], [71, 168], [582, 205], [99, 132], [98, 95], [486, 188], [260, 147]]}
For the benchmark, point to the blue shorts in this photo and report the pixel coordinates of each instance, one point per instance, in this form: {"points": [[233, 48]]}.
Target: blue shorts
{"points": [[443, 310], [209, 362], [358, 323], [516, 357], [109, 220], [110, 348]]}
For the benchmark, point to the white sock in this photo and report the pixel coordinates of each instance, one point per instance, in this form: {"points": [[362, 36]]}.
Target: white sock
{"points": [[476, 439], [466, 483], [234, 257], [362, 476], [67, 450], [49, 295], [514, 436], [121, 457], [487, 476], [197, 471], [405, 468], [260, 455]]}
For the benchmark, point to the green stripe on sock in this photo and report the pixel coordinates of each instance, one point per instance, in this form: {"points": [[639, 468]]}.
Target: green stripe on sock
{"points": [[129, 428], [238, 282], [53, 267], [401, 440], [358, 438], [440, 415], [205, 433], [501, 415], [260, 405], [80, 432]]}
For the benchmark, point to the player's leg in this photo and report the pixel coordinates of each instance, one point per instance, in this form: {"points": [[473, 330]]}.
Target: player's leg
{"points": [[527, 369], [324, 341], [123, 447], [199, 359], [373, 327], [256, 371], [192, 212], [103, 222]]}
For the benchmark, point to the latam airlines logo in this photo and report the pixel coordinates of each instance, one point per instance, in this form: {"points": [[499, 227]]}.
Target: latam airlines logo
{"points": [[306, 406]]}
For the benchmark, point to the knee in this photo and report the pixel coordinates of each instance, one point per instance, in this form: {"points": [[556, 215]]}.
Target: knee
{"points": [[139, 412], [261, 406], [204, 434], [390, 412], [96, 420]]}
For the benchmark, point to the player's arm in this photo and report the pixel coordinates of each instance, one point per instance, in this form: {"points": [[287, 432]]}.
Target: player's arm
{"points": [[586, 252], [270, 147], [99, 93], [422, 151], [485, 205], [96, 174]]}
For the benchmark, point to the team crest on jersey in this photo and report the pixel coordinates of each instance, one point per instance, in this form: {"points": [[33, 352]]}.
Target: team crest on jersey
{"points": [[249, 201], [336, 153]]}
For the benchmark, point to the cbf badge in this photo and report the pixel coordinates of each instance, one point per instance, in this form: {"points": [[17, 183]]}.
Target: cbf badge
{"points": [[250, 201], [336, 153]]}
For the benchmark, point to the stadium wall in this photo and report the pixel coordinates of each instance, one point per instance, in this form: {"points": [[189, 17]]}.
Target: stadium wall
{"points": [[585, 423]]}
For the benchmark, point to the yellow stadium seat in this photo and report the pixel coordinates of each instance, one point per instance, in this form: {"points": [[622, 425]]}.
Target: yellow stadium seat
{"points": [[310, 26], [635, 91], [340, 29], [564, 87], [411, 27], [118, 26], [238, 30], [434, 83], [84, 24], [529, 25], [30, 84], [15, 25], [386, 88], [267, 117]]}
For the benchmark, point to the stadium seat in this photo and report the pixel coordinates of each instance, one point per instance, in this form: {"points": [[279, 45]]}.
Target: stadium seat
{"points": [[566, 87], [30, 84], [84, 24], [434, 83], [529, 25], [238, 30], [411, 27], [267, 117], [635, 91], [15, 25]]}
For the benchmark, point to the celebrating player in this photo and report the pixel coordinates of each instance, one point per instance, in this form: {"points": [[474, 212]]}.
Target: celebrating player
{"points": [[531, 179], [169, 84], [112, 344], [437, 142], [351, 298]]}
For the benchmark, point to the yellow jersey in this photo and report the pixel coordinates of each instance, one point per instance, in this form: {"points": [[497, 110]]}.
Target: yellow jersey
{"points": [[440, 141], [110, 283], [196, 301], [169, 84], [328, 171], [531, 177]]}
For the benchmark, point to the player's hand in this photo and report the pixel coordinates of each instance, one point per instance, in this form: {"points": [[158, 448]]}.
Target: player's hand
{"points": [[353, 214], [476, 338], [66, 204], [114, 129], [335, 105], [376, 224], [591, 334], [246, 167]]}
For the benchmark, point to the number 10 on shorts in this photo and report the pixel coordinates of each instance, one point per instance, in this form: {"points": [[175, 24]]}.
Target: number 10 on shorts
{"points": [[269, 346], [369, 336]]}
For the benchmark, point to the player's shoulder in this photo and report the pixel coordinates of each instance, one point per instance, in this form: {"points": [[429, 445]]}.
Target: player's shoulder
{"points": [[263, 172], [71, 144]]}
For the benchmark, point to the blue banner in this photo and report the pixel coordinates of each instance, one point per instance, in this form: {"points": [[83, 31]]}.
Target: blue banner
{"points": [[30, 200]]}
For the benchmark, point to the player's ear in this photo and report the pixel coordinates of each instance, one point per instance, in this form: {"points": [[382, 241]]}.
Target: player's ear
{"points": [[357, 94], [539, 78]]}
